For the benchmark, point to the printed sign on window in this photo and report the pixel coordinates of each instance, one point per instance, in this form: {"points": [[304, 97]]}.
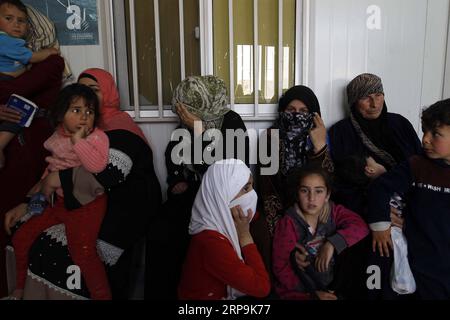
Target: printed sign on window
{"points": [[76, 21]]}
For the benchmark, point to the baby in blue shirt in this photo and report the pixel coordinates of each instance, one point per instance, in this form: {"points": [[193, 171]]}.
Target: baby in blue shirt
{"points": [[15, 56]]}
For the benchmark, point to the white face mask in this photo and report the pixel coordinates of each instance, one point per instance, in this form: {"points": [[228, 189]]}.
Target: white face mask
{"points": [[247, 201]]}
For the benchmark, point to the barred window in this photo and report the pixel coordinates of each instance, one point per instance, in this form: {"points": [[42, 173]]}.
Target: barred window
{"points": [[254, 45]]}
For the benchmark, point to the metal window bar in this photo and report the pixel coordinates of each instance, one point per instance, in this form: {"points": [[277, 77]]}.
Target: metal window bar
{"points": [[298, 43], [137, 113], [202, 8], [256, 57], [280, 48], [305, 48], [112, 38], [120, 51], [182, 50], [206, 37], [231, 36], [158, 60]]}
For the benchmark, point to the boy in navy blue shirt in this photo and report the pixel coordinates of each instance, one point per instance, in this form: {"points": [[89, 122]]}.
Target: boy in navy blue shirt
{"points": [[425, 181]]}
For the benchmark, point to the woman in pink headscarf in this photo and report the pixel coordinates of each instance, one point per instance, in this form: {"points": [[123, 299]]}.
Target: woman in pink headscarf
{"points": [[134, 198], [112, 118]]}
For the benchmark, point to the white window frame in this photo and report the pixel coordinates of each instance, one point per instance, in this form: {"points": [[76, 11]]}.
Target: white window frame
{"points": [[249, 112]]}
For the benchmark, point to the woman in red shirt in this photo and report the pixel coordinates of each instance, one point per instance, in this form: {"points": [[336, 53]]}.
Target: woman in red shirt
{"points": [[222, 261]]}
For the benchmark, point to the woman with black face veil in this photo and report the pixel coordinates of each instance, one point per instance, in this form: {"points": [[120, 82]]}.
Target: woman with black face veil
{"points": [[302, 140]]}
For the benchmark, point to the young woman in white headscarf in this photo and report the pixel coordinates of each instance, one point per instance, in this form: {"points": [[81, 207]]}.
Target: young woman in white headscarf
{"points": [[222, 261], [202, 100]]}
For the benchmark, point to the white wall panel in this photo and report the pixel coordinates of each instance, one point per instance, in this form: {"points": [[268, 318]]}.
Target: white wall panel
{"points": [[408, 52], [158, 135], [435, 52], [83, 57]]}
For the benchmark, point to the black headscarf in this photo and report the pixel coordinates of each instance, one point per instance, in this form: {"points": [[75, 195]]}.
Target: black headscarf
{"points": [[378, 130], [294, 128], [302, 93]]}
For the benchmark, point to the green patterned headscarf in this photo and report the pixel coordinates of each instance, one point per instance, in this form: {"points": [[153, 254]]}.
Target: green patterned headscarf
{"points": [[204, 96]]}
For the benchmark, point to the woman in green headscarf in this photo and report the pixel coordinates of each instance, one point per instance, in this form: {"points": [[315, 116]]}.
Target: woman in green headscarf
{"points": [[201, 99], [205, 98]]}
